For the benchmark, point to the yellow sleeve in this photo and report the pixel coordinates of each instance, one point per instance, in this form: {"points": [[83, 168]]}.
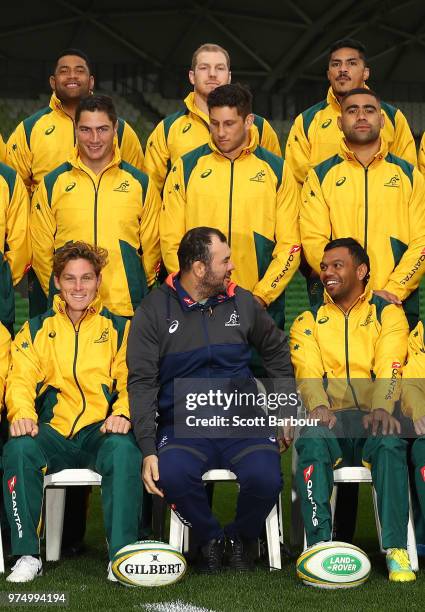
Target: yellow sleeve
{"points": [[390, 355], [157, 156], [42, 229], [172, 223], [3, 152], [131, 149], [269, 139], [298, 151], [149, 232], [404, 143], [307, 361], [19, 155], [119, 372], [287, 251], [406, 276], [315, 224], [413, 381], [18, 252], [5, 342], [421, 155], [25, 374]]}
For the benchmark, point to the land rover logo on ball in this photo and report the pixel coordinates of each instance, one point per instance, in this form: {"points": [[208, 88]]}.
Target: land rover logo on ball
{"points": [[342, 565]]}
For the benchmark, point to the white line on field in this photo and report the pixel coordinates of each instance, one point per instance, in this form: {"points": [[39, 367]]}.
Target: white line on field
{"points": [[174, 606]]}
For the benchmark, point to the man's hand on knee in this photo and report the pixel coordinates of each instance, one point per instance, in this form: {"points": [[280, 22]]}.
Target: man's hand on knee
{"points": [[23, 427], [419, 425], [150, 475], [389, 425], [324, 415], [116, 424]]}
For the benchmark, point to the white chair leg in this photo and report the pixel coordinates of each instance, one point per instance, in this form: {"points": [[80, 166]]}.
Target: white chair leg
{"points": [[186, 532], [273, 541], [332, 502], [411, 539], [377, 521], [280, 518], [55, 507], [176, 532]]}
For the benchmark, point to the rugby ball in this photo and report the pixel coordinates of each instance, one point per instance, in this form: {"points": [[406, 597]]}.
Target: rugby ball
{"points": [[148, 564], [333, 565]]}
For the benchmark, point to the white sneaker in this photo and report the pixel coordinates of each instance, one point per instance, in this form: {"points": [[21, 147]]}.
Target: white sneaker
{"points": [[111, 575], [26, 569]]}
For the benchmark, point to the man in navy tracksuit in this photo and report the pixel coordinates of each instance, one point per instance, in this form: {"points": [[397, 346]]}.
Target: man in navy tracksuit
{"points": [[198, 324]]}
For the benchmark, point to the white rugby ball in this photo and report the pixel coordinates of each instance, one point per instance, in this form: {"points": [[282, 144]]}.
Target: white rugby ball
{"points": [[148, 564], [333, 565]]}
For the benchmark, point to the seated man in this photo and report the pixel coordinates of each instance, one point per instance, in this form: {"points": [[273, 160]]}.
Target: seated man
{"points": [[198, 324], [67, 405], [347, 356]]}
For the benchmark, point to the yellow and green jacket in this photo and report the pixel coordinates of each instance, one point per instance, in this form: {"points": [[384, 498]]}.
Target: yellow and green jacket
{"points": [[69, 376], [381, 206], [117, 209], [315, 136], [15, 245], [253, 200], [5, 341], [46, 139], [186, 130], [3, 154], [413, 383], [421, 155], [350, 360]]}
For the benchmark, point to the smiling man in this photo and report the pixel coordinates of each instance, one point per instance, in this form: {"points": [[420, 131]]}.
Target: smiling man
{"points": [[315, 135], [68, 408], [99, 198], [368, 193], [347, 355], [239, 187], [186, 130]]}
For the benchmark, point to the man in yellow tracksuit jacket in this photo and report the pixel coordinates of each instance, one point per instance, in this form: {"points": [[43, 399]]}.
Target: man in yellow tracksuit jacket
{"points": [[348, 354], [15, 245], [46, 139], [187, 129], [3, 153], [98, 198], [315, 135], [68, 407], [248, 193], [372, 195]]}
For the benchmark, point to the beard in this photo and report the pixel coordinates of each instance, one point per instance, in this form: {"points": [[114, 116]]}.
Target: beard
{"points": [[211, 285]]}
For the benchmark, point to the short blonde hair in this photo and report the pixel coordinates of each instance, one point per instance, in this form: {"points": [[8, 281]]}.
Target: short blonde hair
{"points": [[210, 47]]}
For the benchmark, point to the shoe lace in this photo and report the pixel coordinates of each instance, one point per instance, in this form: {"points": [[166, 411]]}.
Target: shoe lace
{"points": [[401, 557]]}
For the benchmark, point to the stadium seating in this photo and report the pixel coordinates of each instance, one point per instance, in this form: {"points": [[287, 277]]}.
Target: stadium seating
{"points": [[178, 531]]}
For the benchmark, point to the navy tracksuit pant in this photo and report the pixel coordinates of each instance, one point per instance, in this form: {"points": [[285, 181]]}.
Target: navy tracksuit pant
{"points": [[255, 462]]}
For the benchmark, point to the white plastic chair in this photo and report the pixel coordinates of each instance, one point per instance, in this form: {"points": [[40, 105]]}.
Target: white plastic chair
{"points": [[179, 532], [363, 475], [54, 487]]}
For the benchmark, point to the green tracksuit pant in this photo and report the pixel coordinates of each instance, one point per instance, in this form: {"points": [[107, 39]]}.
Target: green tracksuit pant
{"points": [[116, 457], [320, 450]]}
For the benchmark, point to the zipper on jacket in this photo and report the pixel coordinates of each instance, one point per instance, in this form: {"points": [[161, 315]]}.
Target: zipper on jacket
{"points": [[207, 338], [96, 189], [366, 206], [74, 371], [347, 361], [229, 237]]}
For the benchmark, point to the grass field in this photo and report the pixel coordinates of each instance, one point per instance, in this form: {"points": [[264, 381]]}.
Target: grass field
{"points": [[84, 578]]}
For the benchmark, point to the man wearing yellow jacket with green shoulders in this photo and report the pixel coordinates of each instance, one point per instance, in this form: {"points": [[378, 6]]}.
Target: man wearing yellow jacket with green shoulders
{"points": [[187, 129], [44, 140], [68, 408], [248, 193], [368, 193], [97, 197], [315, 135], [348, 354]]}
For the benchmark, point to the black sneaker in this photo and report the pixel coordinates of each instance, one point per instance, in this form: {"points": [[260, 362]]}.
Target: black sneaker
{"points": [[240, 557], [212, 557]]}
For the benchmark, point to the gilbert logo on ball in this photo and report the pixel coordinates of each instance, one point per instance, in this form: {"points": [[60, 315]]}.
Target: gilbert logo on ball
{"points": [[333, 565], [148, 564]]}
